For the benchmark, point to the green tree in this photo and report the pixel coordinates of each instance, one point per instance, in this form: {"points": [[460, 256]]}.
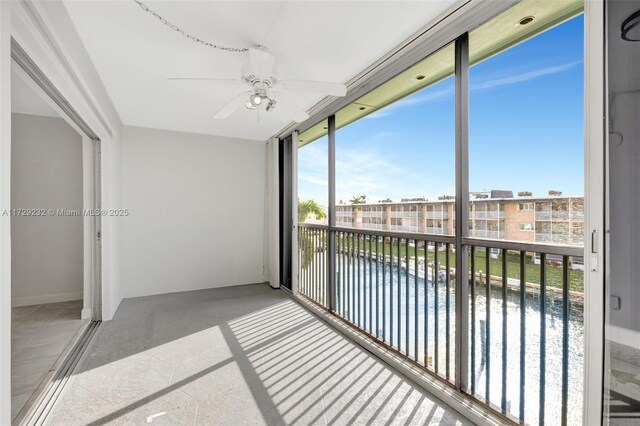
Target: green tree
{"points": [[358, 199], [306, 208], [306, 245]]}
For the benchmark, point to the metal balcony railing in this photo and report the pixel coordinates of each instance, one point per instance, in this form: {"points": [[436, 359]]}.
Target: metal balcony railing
{"points": [[538, 312], [556, 216], [491, 214], [437, 215], [373, 225], [436, 231], [312, 262], [523, 355], [393, 289], [550, 238], [495, 214], [373, 214]]}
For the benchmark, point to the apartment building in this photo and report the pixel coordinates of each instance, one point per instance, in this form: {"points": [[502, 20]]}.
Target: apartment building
{"points": [[553, 218]]}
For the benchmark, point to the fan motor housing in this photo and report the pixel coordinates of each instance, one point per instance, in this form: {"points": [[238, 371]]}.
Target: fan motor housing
{"points": [[252, 79]]}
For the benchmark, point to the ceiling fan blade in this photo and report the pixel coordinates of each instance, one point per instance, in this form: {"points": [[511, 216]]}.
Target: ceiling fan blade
{"points": [[232, 105], [321, 87], [291, 108], [234, 82], [262, 62]]}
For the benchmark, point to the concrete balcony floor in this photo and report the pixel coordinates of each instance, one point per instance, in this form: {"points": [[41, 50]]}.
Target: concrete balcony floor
{"points": [[239, 356]]}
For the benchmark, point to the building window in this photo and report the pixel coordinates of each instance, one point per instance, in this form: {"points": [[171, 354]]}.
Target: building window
{"points": [[525, 207], [527, 227]]}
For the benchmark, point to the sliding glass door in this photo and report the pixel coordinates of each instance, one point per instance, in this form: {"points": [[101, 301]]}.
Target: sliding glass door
{"points": [[622, 331], [453, 231]]}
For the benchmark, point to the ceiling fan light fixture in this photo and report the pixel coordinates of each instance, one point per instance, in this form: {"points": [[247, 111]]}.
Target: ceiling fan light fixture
{"points": [[255, 99], [261, 75]]}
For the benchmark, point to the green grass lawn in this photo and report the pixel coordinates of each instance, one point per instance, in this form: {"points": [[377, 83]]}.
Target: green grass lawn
{"points": [[553, 275]]}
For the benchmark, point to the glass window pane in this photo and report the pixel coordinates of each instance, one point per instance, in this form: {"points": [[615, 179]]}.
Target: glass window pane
{"points": [[526, 138], [622, 321], [526, 162], [395, 165], [313, 177]]}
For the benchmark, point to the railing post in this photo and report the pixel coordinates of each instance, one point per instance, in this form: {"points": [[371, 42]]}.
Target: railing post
{"points": [[462, 209], [331, 235]]}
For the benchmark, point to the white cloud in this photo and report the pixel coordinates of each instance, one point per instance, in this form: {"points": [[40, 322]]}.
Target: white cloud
{"points": [[363, 168], [527, 76], [435, 96]]}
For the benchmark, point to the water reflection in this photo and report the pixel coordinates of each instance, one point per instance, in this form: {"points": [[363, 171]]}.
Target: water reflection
{"points": [[408, 316]]}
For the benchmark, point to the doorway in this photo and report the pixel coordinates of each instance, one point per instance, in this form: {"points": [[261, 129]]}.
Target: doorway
{"points": [[55, 227], [622, 322]]}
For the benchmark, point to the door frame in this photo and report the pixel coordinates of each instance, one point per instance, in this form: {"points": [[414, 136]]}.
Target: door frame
{"points": [[31, 74], [595, 194]]}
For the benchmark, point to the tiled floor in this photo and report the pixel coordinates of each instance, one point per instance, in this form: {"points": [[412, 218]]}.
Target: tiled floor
{"points": [[237, 356], [39, 335]]}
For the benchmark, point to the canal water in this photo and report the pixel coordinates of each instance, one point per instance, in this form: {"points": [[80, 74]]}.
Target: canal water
{"points": [[379, 299]]}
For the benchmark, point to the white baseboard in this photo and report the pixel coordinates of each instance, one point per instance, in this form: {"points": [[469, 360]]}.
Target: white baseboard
{"points": [[86, 313], [41, 299]]}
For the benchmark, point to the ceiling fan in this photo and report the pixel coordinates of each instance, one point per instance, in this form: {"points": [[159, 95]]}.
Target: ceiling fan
{"points": [[266, 89]]}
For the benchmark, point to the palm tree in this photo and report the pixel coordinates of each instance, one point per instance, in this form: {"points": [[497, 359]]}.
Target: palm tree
{"points": [[306, 208], [358, 199], [306, 245]]}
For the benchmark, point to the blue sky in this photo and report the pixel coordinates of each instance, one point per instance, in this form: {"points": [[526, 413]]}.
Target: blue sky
{"points": [[525, 127]]}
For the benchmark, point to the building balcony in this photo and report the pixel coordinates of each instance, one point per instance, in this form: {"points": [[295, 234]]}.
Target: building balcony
{"points": [[373, 225], [379, 287], [373, 214], [484, 233], [224, 356], [357, 322], [404, 228], [435, 231], [401, 214], [549, 238], [437, 215], [495, 215], [486, 215], [552, 216]]}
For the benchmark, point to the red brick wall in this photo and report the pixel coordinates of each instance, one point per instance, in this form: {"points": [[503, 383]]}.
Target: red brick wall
{"points": [[512, 220]]}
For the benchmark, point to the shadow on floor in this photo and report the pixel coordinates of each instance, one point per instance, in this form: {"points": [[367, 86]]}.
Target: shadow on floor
{"points": [[237, 355]]}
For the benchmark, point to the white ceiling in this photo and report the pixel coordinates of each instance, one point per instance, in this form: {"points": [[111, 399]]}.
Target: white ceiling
{"points": [[24, 100], [312, 40]]}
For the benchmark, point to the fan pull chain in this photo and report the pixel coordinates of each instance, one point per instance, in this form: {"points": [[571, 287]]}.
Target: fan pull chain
{"points": [[179, 30]]}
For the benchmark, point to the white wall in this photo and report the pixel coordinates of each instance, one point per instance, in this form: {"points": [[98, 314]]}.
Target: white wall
{"points": [[46, 173], [197, 206], [45, 31]]}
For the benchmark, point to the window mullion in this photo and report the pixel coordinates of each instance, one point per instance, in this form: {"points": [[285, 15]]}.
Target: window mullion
{"points": [[462, 208]]}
